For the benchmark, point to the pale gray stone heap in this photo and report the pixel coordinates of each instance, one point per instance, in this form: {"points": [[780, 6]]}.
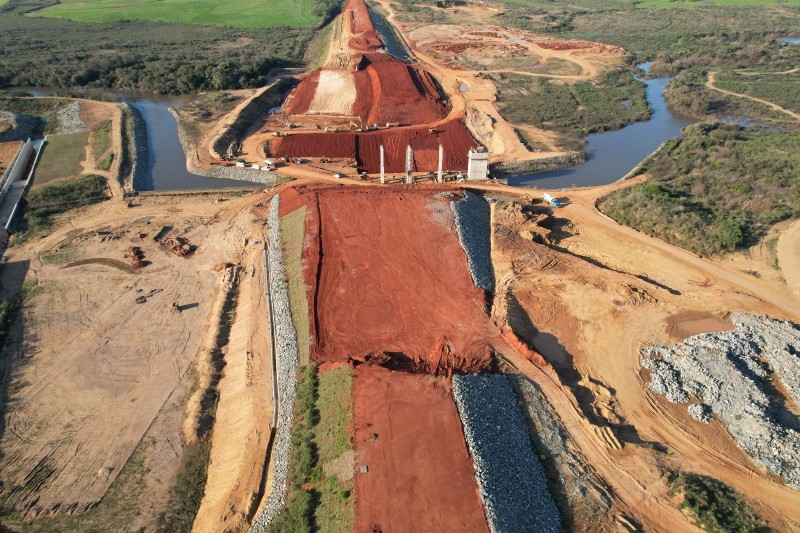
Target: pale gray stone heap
{"points": [[732, 374]]}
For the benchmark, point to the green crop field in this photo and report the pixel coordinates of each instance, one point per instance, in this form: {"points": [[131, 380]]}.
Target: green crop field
{"points": [[235, 13], [694, 3]]}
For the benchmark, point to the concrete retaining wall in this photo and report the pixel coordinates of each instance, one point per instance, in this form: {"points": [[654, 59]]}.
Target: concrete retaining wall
{"points": [[545, 164], [16, 169]]}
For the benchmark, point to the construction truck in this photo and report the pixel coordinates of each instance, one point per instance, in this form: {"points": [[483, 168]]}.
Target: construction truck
{"points": [[550, 200], [278, 133]]}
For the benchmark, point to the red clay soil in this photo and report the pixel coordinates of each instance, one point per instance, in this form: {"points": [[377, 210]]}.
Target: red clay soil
{"points": [[300, 99], [419, 475], [389, 90], [430, 319], [364, 147], [364, 37]]}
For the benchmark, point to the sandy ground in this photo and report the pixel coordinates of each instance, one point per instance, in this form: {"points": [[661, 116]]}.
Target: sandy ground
{"points": [[95, 370], [413, 471], [7, 152], [336, 93], [789, 257], [244, 409]]}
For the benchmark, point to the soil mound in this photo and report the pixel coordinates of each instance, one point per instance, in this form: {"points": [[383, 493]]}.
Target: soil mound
{"points": [[430, 320], [364, 147]]}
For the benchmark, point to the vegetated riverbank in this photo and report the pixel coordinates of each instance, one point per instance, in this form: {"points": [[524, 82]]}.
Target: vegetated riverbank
{"points": [[719, 188]]}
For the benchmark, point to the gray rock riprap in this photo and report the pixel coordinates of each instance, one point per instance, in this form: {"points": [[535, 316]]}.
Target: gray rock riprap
{"points": [[511, 480], [578, 485], [141, 156], [472, 219], [230, 173], [286, 361], [731, 373], [69, 119]]}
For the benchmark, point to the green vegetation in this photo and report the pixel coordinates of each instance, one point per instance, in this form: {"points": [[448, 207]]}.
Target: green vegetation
{"points": [[101, 143], [154, 56], [205, 108], [61, 157], [321, 434], [236, 13], [336, 510], [780, 89], [186, 494], [293, 227], [610, 102], [44, 203], [716, 189], [42, 110], [717, 507]]}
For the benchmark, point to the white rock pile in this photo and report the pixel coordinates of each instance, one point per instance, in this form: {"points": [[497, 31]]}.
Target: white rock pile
{"points": [[511, 480], [69, 119], [731, 373], [286, 361], [472, 219]]}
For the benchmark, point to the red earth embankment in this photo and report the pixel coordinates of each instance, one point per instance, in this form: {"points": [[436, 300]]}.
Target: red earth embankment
{"points": [[419, 476], [364, 147], [430, 319], [363, 34]]}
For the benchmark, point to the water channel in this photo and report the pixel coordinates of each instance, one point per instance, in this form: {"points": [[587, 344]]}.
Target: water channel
{"points": [[613, 154], [166, 159]]}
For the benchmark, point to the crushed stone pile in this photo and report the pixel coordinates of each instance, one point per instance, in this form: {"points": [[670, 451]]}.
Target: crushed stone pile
{"points": [[286, 361], [512, 482], [472, 219], [69, 119], [731, 375]]}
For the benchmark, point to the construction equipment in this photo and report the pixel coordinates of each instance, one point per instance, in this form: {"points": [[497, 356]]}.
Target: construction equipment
{"points": [[278, 133], [355, 127], [552, 201]]}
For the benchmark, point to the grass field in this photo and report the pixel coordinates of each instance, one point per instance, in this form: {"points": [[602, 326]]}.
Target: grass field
{"points": [[781, 89], [236, 13], [61, 157], [661, 4], [293, 228]]}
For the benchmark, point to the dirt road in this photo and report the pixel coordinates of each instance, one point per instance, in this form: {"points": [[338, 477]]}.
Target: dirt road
{"points": [[789, 257], [712, 79]]}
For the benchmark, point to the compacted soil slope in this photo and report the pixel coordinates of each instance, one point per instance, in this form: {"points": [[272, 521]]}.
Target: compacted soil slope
{"points": [[430, 319], [413, 469]]}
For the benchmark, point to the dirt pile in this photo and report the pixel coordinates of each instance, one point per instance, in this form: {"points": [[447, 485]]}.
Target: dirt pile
{"points": [[363, 34], [431, 320], [364, 147]]}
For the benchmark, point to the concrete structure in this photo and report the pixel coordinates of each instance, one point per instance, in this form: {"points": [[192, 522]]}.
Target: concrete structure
{"points": [[409, 164], [478, 164], [439, 177], [383, 180]]}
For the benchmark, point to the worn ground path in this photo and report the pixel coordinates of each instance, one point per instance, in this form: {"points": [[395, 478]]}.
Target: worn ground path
{"points": [[710, 84]]}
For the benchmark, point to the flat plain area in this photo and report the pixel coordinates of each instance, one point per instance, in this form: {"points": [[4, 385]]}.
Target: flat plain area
{"points": [[239, 13], [61, 157], [418, 472]]}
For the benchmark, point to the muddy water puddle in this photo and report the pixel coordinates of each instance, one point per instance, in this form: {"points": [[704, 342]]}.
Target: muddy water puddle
{"points": [[685, 325]]}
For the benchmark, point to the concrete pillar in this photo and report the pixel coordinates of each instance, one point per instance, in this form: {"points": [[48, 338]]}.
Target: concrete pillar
{"points": [[409, 164], [383, 180], [439, 177]]}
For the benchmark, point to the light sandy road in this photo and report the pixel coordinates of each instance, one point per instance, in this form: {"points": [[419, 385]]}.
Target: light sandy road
{"points": [[789, 257], [710, 84]]}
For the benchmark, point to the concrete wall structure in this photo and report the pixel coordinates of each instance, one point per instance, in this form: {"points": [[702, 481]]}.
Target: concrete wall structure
{"points": [[478, 164], [15, 171]]}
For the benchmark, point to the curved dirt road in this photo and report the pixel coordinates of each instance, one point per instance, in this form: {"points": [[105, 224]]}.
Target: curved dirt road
{"points": [[776, 107]]}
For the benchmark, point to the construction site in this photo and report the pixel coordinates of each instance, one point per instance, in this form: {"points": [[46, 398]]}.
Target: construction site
{"points": [[382, 339]]}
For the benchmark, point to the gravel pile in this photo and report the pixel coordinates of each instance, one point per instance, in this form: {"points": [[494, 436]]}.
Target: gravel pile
{"points": [[472, 218], [286, 361], [69, 119], [511, 480], [731, 373], [568, 472], [230, 173]]}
